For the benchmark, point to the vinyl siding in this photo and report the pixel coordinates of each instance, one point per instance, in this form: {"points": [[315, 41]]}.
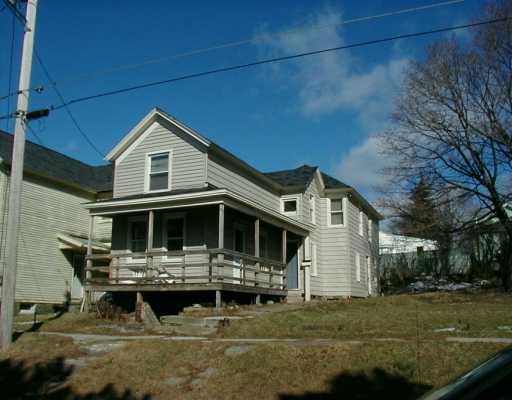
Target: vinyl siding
{"points": [[222, 175], [359, 244], [44, 271], [334, 258], [188, 163], [316, 282]]}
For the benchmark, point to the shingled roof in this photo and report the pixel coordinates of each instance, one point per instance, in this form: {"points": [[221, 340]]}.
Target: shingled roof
{"points": [[302, 176], [54, 165]]}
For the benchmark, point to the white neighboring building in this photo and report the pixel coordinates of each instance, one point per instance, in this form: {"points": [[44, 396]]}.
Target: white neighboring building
{"points": [[395, 244]]}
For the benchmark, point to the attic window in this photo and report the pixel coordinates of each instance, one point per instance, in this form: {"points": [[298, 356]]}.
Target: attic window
{"points": [[158, 172], [289, 205]]}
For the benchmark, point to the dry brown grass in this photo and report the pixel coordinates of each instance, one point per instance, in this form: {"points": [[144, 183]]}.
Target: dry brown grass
{"points": [[403, 316]]}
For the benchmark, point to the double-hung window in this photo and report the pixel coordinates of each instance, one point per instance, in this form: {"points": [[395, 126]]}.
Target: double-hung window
{"points": [[336, 217], [137, 239], [361, 222], [158, 172]]}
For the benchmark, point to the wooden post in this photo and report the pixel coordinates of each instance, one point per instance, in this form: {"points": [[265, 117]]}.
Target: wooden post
{"points": [[149, 244], [283, 247], [283, 256], [220, 256], [258, 299], [218, 300], [139, 303], [256, 249], [88, 264], [16, 177]]}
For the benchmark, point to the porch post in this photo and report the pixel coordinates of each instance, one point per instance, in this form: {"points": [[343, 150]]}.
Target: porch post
{"points": [[283, 256], [220, 256], [151, 222], [307, 268], [86, 301], [256, 251], [149, 244]]}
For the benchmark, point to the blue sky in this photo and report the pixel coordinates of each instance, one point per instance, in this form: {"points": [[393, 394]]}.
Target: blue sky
{"points": [[321, 110]]}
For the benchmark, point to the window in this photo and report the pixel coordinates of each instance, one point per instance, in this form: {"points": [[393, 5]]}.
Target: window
{"points": [[174, 233], [370, 227], [239, 240], [336, 212], [263, 245], [314, 264], [361, 219], [158, 172], [137, 235], [312, 208], [358, 267], [289, 205]]}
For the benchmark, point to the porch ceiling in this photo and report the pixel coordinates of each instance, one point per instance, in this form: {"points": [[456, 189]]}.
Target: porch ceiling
{"points": [[208, 196]]}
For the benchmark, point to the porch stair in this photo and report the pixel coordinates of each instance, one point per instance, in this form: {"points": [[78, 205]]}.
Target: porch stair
{"points": [[294, 297]]}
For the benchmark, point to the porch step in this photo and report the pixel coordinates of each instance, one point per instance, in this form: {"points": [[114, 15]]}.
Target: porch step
{"points": [[294, 297]]}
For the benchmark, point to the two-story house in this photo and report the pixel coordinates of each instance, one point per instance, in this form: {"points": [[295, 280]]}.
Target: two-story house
{"points": [[189, 216]]}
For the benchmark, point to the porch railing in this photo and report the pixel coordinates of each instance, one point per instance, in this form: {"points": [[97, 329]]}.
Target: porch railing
{"points": [[185, 267]]}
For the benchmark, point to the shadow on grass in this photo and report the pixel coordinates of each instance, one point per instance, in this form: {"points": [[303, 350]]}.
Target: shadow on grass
{"points": [[362, 386], [48, 381]]}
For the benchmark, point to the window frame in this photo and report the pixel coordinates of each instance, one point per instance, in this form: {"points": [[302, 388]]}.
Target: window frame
{"points": [[295, 198], [370, 228], [147, 170], [245, 231], [361, 222], [343, 211]]}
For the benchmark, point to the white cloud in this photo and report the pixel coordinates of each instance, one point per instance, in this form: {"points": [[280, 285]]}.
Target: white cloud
{"points": [[361, 167], [334, 81]]}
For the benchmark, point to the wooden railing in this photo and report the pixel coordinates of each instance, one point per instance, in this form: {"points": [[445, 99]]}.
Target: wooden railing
{"points": [[185, 267]]}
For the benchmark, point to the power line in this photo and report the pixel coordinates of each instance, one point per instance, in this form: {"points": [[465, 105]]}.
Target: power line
{"points": [[65, 105], [277, 59], [36, 135], [253, 39]]}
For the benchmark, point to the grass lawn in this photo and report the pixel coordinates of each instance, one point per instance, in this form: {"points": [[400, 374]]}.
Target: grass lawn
{"points": [[180, 370], [166, 369], [405, 316]]}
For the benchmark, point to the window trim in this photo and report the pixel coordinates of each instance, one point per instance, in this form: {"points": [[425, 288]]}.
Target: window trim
{"points": [[130, 220], [147, 170], [290, 198], [370, 228], [263, 234], [343, 211], [312, 208]]}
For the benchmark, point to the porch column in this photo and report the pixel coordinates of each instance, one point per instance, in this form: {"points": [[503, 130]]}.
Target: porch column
{"points": [[256, 251], [306, 263], [151, 222], [283, 255], [149, 243], [86, 301], [220, 256]]}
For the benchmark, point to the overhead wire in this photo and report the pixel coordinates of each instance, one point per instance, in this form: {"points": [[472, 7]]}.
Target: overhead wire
{"points": [[276, 59], [65, 106], [253, 39]]}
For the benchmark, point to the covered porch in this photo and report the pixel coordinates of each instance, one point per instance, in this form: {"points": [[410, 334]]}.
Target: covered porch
{"points": [[224, 246]]}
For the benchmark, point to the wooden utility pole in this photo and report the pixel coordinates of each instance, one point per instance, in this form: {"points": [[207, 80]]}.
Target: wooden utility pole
{"points": [[16, 179]]}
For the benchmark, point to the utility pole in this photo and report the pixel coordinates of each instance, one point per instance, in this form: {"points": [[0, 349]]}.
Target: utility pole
{"points": [[16, 178]]}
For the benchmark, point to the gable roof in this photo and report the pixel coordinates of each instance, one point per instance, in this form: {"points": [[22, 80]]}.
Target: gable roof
{"points": [[53, 165], [302, 176]]}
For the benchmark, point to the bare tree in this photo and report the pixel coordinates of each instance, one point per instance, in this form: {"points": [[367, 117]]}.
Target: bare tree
{"points": [[453, 125]]}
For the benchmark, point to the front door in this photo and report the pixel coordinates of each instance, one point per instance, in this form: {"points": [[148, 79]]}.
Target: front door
{"points": [[292, 265]]}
